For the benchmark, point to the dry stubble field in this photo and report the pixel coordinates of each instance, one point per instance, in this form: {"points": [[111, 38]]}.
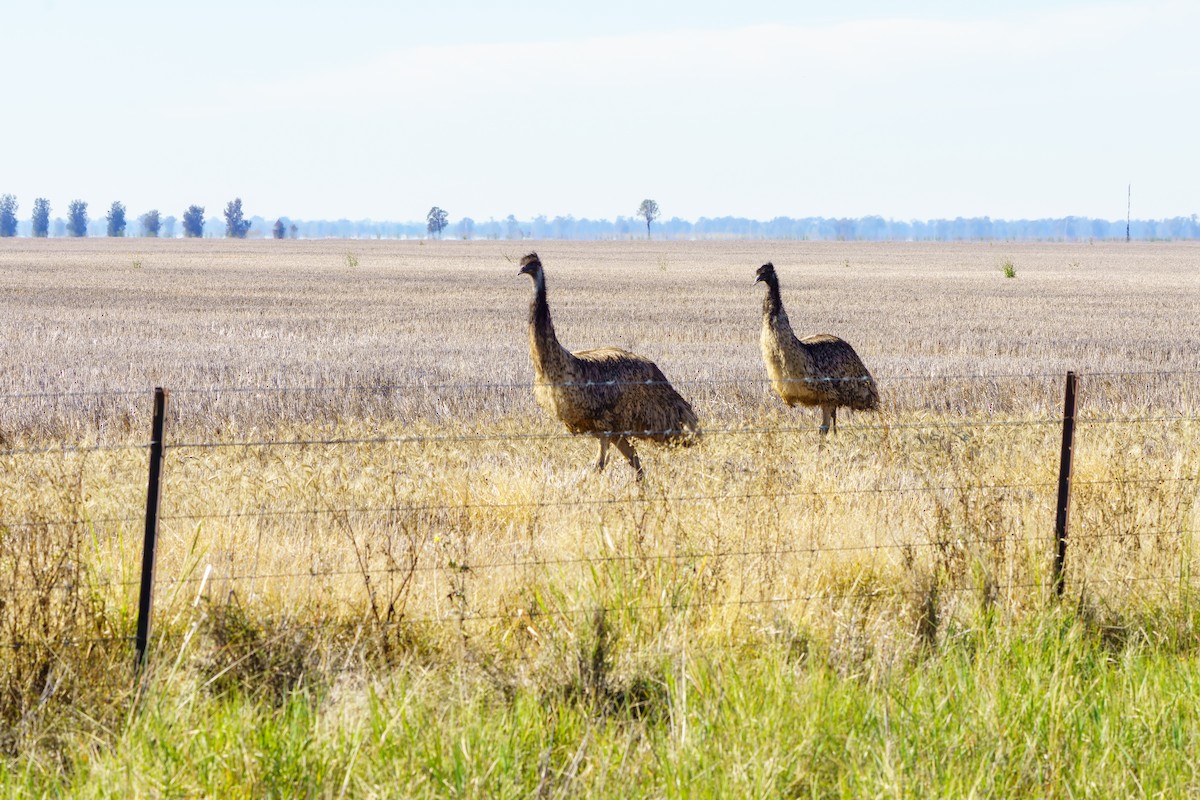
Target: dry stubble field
{"points": [[354, 449]]}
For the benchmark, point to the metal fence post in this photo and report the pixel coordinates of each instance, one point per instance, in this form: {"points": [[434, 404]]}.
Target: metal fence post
{"points": [[153, 495], [1064, 483]]}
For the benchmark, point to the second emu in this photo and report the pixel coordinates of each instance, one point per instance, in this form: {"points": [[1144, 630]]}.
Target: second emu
{"points": [[820, 370], [610, 393]]}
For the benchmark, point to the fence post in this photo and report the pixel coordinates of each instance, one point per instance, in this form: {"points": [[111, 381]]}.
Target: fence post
{"points": [[153, 495], [1064, 483]]}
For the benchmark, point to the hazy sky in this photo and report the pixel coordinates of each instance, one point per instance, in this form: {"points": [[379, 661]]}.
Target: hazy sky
{"points": [[380, 110]]}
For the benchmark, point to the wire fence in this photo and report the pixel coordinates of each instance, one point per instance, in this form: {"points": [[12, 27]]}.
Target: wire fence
{"points": [[105, 414], [474, 559]]}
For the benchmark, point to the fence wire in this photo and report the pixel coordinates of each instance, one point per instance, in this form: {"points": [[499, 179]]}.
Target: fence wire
{"points": [[428, 562]]}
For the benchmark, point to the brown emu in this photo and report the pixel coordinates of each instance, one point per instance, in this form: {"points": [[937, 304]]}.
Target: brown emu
{"points": [[820, 370], [609, 393]]}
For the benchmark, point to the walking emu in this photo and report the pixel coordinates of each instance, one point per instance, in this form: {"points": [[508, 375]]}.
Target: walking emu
{"points": [[820, 370], [609, 393]]}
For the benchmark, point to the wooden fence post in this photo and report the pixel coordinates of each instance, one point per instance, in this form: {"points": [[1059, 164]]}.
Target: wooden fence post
{"points": [[1064, 483], [153, 495]]}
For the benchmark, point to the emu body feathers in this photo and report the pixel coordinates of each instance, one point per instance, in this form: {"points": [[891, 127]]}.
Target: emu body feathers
{"points": [[609, 393], [820, 370]]}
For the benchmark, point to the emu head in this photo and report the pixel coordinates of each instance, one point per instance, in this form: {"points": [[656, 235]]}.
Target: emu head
{"points": [[531, 265], [766, 274]]}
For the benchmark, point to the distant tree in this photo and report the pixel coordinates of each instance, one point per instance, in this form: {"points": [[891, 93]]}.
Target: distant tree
{"points": [[279, 230], [193, 222], [648, 211], [293, 231], [513, 227], [168, 226], [151, 223], [8, 215], [41, 218], [436, 221], [116, 219], [466, 228], [77, 218], [235, 225]]}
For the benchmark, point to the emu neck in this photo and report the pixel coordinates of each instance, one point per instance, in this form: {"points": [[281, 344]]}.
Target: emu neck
{"points": [[773, 314], [549, 357]]}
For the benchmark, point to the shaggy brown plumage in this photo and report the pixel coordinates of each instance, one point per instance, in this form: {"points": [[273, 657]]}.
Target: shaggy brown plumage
{"points": [[820, 370], [609, 393]]}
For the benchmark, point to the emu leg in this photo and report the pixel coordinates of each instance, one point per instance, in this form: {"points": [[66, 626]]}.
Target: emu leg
{"points": [[828, 415], [626, 448], [833, 419], [599, 465]]}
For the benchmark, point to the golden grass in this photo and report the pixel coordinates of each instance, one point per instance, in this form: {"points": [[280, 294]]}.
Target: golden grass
{"points": [[476, 511]]}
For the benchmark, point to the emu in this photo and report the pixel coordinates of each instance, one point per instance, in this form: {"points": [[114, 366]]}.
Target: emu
{"points": [[609, 393], [820, 370]]}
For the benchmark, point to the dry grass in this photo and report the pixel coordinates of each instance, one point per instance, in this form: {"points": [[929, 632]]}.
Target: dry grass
{"points": [[473, 528], [80, 316]]}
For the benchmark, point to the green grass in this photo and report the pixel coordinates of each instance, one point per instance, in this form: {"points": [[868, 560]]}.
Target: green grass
{"points": [[1053, 706]]}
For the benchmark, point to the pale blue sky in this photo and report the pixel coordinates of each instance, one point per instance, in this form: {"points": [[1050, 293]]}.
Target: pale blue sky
{"points": [[760, 109]]}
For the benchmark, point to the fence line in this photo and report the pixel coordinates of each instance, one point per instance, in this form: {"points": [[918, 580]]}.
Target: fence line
{"points": [[949, 537], [611, 501], [519, 437], [757, 379], [952, 539], [538, 504], [64, 449], [466, 616]]}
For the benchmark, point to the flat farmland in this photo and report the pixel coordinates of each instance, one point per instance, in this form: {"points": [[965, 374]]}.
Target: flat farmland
{"points": [[128, 314], [369, 523]]}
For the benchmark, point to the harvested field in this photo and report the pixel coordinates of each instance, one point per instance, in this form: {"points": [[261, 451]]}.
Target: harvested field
{"points": [[356, 466]]}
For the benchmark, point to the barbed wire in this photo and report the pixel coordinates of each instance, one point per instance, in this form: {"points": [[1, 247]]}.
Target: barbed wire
{"points": [[529, 504], [635, 434], [1086, 420], [632, 433], [28, 522], [528, 384], [642, 499], [72, 448], [542, 612], [608, 501], [54, 644], [953, 539], [685, 606]]}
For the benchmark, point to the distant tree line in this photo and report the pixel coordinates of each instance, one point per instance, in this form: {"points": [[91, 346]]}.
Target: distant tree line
{"points": [[811, 228], [439, 225]]}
